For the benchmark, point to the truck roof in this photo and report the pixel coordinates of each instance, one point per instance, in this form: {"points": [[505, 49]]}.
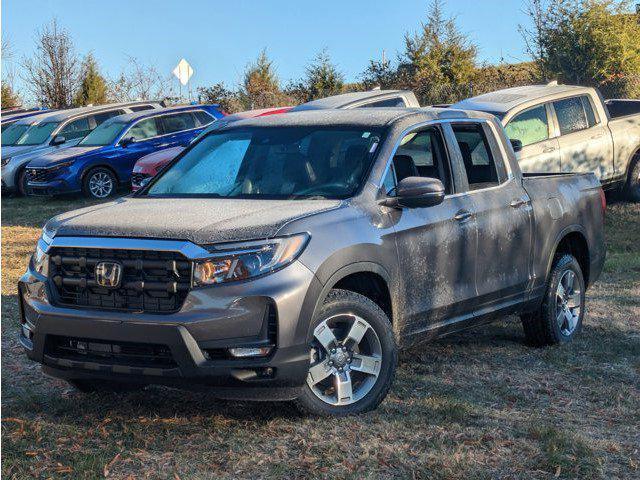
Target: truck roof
{"points": [[501, 101], [372, 117]]}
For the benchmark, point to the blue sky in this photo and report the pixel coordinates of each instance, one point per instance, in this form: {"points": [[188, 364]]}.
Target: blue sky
{"points": [[219, 38]]}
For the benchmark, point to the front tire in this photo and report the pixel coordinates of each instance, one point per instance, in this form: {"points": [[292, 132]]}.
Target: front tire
{"points": [[632, 187], [99, 183], [21, 182], [353, 357], [559, 319]]}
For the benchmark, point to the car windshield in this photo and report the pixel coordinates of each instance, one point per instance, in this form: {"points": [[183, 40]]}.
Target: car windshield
{"points": [[11, 135], [104, 134], [278, 163], [37, 134]]}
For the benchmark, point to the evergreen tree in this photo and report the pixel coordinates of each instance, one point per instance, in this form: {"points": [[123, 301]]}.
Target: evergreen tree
{"points": [[322, 78], [93, 86], [260, 87], [9, 98]]}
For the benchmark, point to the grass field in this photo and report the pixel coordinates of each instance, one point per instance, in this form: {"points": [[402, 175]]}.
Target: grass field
{"points": [[474, 405]]}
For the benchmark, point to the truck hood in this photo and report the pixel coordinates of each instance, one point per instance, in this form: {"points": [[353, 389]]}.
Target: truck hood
{"points": [[200, 221], [60, 155]]}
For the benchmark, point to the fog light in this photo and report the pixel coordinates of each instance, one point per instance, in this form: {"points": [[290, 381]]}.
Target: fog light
{"points": [[250, 351]]}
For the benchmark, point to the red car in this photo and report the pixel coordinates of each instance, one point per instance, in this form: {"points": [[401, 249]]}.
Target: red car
{"points": [[149, 165]]}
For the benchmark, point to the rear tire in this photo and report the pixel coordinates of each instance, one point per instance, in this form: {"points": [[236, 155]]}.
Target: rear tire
{"points": [[632, 186], [99, 183], [104, 386], [354, 356], [559, 319]]}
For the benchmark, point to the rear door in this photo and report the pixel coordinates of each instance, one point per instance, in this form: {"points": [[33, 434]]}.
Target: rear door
{"points": [[178, 128], [502, 214], [540, 149], [436, 245], [585, 143]]}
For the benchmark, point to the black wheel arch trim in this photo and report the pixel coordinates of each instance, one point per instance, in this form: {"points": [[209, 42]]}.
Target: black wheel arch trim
{"points": [[575, 228], [88, 168]]}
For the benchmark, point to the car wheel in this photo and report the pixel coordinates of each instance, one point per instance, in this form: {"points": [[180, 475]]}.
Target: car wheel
{"points": [[21, 182], [632, 187], [560, 317], [99, 183], [353, 357], [105, 386]]}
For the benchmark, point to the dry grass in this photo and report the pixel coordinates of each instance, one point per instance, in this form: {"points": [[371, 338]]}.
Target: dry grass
{"points": [[475, 405]]}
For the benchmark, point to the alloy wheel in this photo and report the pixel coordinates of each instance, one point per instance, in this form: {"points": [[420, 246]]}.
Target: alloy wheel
{"points": [[346, 359], [568, 303], [100, 184]]}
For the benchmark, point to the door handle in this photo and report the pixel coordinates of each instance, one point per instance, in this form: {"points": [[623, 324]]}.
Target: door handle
{"points": [[549, 149], [463, 215], [518, 202], [596, 136]]}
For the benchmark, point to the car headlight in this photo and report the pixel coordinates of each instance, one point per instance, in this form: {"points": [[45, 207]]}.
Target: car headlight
{"points": [[40, 259], [241, 261], [5, 161]]}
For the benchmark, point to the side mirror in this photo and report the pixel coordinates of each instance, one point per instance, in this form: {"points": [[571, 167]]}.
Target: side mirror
{"points": [[516, 144], [125, 142], [415, 192], [58, 140]]}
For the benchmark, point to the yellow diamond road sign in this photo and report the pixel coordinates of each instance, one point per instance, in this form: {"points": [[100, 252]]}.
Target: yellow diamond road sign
{"points": [[183, 71]]}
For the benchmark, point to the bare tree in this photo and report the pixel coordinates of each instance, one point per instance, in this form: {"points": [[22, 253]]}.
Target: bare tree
{"points": [[140, 82], [52, 73]]}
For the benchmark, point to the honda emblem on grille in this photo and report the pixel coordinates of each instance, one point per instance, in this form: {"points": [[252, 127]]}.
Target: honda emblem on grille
{"points": [[108, 274]]}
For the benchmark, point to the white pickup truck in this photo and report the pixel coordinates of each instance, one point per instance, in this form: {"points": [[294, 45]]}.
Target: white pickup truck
{"points": [[564, 128]]}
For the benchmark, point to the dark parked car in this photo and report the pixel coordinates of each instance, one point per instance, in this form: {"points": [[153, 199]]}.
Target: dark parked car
{"points": [[290, 257], [105, 158]]}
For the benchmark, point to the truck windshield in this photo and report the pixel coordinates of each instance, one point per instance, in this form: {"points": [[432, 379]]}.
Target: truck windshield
{"points": [[272, 163], [104, 134], [37, 134], [11, 135]]}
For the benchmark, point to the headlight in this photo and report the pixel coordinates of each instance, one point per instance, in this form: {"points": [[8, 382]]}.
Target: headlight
{"points": [[40, 259], [5, 160], [240, 261]]}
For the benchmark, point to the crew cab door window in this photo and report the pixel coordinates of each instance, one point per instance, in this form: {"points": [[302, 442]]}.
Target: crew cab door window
{"points": [[476, 155], [530, 126], [76, 129], [571, 115], [144, 129]]}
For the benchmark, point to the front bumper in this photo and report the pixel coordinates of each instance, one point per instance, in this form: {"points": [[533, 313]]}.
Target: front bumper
{"points": [[54, 187], [211, 320]]}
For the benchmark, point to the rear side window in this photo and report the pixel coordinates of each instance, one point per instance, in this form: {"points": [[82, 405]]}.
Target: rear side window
{"points": [[476, 155], [104, 116], [530, 126], [571, 115], [76, 129], [140, 108], [203, 117], [144, 129], [178, 122], [388, 102]]}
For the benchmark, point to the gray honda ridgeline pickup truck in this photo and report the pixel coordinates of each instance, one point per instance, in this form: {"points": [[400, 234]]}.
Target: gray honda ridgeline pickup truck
{"points": [[291, 256]]}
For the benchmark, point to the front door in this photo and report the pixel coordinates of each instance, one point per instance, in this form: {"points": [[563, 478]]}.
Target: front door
{"points": [[436, 245]]}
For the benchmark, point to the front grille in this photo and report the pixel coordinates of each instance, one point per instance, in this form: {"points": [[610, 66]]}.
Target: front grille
{"points": [[137, 178], [152, 281], [41, 175], [131, 354]]}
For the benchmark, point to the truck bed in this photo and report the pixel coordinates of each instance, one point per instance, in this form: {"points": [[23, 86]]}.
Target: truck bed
{"points": [[622, 107]]}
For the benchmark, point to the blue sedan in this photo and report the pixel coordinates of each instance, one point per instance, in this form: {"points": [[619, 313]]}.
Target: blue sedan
{"points": [[105, 158]]}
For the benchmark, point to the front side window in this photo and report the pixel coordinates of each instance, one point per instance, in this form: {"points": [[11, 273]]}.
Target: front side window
{"points": [[37, 134], [144, 129], [530, 126], [178, 122], [100, 118], [11, 135], [77, 129], [203, 117], [476, 155], [283, 162], [105, 134], [421, 154], [571, 115]]}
